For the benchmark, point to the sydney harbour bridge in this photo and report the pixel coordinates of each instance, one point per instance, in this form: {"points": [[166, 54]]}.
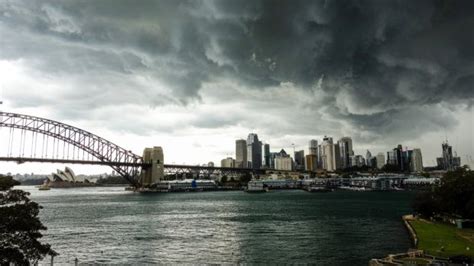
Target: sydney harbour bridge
{"points": [[36, 139]]}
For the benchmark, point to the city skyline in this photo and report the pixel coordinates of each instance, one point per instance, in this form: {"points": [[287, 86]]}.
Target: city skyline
{"points": [[337, 155], [193, 77]]}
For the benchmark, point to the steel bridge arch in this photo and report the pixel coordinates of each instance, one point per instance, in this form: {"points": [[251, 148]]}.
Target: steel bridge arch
{"points": [[124, 162]]}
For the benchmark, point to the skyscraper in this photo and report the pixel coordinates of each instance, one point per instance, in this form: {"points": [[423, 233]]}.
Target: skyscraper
{"points": [[359, 160], [299, 160], [345, 151], [283, 163], [380, 160], [392, 158], [241, 153], [313, 147], [407, 159], [311, 163], [320, 157], [447, 161], [398, 151], [254, 151], [328, 155], [266, 155], [416, 161], [337, 156], [368, 158]]}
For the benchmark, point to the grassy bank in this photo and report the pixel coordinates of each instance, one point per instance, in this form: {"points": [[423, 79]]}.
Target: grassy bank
{"points": [[443, 240]]}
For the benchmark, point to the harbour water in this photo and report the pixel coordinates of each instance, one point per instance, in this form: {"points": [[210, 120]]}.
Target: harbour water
{"points": [[109, 225]]}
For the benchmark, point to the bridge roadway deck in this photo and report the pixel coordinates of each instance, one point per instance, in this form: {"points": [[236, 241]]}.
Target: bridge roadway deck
{"points": [[21, 160]]}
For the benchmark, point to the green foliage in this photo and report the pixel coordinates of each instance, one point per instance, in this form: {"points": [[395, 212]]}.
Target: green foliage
{"points": [[456, 193], [454, 196], [224, 179], [113, 180], [245, 178], [7, 182], [425, 204], [425, 174], [19, 226]]}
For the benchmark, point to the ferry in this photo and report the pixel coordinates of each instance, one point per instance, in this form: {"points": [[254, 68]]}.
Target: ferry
{"points": [[44, 186], [355, 188], [256, 187], [318, 189]]}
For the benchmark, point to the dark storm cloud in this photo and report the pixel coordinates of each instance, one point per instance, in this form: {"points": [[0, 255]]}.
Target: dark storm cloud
{"points": [[375, 62]]}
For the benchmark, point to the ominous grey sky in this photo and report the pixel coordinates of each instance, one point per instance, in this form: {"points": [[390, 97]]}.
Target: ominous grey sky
{"points": [[192, 76]]}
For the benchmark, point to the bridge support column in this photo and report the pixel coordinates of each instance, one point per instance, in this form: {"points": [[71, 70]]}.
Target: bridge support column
{"points": [[155, 172]]}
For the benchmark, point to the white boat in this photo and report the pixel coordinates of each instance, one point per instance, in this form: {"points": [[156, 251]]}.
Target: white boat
{"points": [[355, 188], [318, 189], [43, 187], [255, 187]]}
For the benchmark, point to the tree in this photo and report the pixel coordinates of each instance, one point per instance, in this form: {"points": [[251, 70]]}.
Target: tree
{"points": [[245, 178], [425, 204], [20, 226], [456, 193], [224, 179], [454, 196]]}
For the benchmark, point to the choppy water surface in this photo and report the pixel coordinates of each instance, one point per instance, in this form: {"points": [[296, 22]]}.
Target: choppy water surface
{"points": [[110, 225]]}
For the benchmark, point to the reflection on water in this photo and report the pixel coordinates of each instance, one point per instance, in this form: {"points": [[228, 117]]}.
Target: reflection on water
{"points": [[110, 225]]}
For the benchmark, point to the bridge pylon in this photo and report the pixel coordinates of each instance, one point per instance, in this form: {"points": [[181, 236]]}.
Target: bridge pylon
{"points": [[154, 173]]}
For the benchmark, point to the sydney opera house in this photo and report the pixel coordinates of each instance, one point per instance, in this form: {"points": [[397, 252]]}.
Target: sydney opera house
{"points": [[67, 178]]}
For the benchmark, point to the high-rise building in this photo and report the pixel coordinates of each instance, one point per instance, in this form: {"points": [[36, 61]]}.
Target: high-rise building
{"points": [[456, 162], [407, 159], [368, 158], [266, 155], [241, 153], [254, 151], [392, 158], [380, 159], [313, 147], [274, 155], [345, 151], [320, 157], [337, 156], [356, 161], [328, 154], [283, 163], [396, 158], [299, 160], [399, 154], [311, 162], [352, 161], [447, 161], [228, 162], [416, 161], [359, 160]]}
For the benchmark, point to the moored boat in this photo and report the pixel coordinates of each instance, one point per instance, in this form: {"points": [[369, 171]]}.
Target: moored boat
{"points": [[318, 189], [256, 187]]}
